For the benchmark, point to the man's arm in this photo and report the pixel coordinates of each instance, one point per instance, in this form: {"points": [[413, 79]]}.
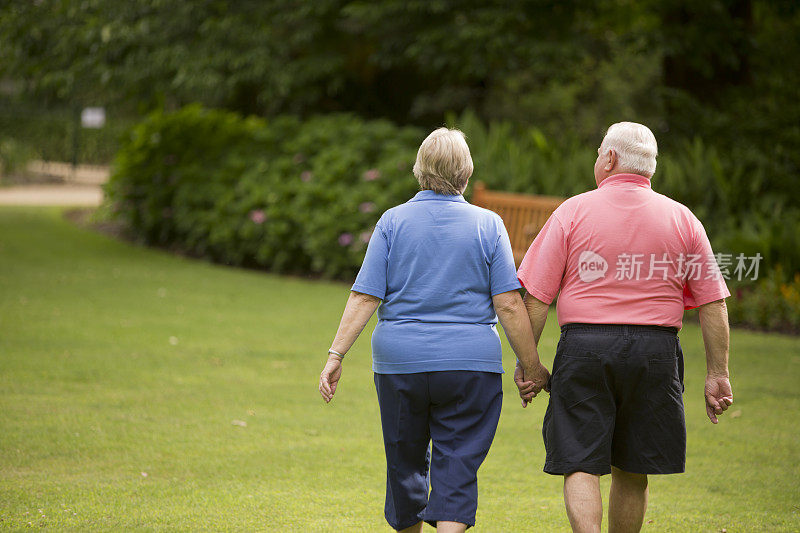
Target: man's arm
{"points": [[716, 338], [537, 314]]}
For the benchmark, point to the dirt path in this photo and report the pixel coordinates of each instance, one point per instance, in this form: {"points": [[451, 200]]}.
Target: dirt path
{"points": [[57, 183], [57, 194], [82, 174]]}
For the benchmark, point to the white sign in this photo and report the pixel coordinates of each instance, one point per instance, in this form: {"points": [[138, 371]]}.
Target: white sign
{"points": [[93, 117]]}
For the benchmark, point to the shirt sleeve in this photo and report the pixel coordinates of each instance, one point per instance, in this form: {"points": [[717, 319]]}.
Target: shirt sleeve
{"points": [[542, 268], [502, 271], [707, 284], [371, 278]]}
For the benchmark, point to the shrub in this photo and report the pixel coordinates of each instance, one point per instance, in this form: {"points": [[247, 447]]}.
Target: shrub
{"points": [[285, 195], [772, 303]]}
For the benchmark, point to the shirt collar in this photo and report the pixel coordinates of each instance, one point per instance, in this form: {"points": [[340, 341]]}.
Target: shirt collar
{"points": [[430, 195], [626, 179]]}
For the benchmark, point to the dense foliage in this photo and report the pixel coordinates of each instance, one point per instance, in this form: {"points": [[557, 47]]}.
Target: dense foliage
{"points": [[285, 195], [771, 304], [723, 69], [303, 196]]}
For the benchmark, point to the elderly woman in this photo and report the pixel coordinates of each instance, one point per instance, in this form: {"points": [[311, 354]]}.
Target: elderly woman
{"points": [[444, 272]]}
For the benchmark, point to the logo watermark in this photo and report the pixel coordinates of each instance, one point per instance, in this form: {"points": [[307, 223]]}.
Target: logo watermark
{"points": [[591, 266]]}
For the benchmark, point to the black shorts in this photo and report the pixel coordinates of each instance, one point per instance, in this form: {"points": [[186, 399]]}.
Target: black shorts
{"points": [[616, 399]]}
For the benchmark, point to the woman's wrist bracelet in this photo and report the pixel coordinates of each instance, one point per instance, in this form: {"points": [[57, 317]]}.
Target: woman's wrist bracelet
{"points": [[334, 352]]}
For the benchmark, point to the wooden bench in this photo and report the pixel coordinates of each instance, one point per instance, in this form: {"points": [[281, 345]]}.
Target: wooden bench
{"points": [[523, 214]]}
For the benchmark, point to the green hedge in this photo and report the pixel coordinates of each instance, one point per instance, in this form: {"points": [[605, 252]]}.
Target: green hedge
{"points": [[192, 179], [303, 197], [772, 303], [285, 195]]}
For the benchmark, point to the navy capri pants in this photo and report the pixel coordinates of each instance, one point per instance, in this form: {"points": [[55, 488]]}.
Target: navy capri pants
{"points": [[455, 413]]}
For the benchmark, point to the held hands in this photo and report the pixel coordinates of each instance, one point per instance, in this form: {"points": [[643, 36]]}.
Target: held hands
{"points": [[329, 378], [530, 383], [718, 396]]}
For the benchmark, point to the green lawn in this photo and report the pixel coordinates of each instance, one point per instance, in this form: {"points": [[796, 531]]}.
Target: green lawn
{"points": [[122, 370]]}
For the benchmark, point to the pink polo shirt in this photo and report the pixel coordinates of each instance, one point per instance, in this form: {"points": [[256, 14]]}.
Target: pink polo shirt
{"points": [[622, 254]]}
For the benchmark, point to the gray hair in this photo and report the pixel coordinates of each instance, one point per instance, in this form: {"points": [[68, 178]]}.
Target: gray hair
{"points": [[444, 164], [635, 146]]}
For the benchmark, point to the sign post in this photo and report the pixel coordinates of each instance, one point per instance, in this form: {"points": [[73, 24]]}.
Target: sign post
{"points": [[88, 117]]}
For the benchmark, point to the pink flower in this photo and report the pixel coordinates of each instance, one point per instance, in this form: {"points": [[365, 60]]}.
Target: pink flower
{"points": [[298, 158], [401, 165], [345, 239], [306, 175], [258, 216], [372, 174], [366, 207], [364, 237]]}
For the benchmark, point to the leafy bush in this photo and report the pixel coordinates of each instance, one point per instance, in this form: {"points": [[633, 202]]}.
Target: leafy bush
{"points": [[771, 304], [284, 195]]}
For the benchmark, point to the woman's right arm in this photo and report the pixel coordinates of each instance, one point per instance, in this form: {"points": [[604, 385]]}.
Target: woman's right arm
{"points": [[357, 312], [359, 309], [515, 321]]}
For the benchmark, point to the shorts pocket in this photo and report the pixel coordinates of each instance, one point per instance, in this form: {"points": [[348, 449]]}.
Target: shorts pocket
{"points": [[577, 377], [664, 387]]}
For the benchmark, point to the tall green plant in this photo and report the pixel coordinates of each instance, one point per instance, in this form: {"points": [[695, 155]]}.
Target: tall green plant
{"points": [[512, 158]]}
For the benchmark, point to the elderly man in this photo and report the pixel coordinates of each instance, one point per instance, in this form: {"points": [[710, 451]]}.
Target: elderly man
{"points": [[627, 262]]}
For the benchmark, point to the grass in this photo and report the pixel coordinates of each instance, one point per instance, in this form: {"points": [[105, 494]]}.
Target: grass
{"points": [[122, 370]]}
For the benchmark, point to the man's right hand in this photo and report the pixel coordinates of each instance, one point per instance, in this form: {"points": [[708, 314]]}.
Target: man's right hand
{"points": [[718, 396], [530, 382]]}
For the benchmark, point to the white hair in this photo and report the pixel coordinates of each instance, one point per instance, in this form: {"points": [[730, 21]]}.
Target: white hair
{"points": [[444, 164], [635, 146]]}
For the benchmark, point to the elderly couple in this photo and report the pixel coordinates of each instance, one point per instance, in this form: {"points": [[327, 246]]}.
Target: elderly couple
{"points": [[441, 273]]}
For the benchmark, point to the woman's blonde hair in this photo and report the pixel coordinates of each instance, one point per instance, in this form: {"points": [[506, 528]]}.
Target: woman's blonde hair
{"points": [[444, 164]]}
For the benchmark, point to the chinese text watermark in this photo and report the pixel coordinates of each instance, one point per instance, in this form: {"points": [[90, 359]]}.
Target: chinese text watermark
{"points": [[691, 267]]}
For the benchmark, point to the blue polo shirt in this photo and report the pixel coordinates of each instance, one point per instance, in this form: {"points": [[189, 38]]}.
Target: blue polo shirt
{"points": [[436, 261]]}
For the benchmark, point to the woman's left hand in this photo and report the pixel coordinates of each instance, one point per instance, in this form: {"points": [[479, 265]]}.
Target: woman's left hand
{"points": [[329, 378], [527, 389]]}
